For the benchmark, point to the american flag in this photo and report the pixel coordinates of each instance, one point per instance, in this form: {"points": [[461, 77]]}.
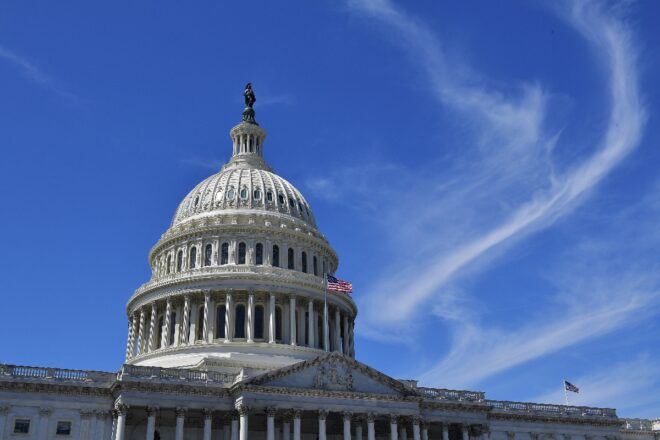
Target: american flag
{"points": [[570, 387], [338, 285]]}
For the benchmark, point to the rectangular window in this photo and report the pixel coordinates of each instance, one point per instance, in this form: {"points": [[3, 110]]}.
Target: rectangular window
{"points": [[63, 428], [22, 426]]}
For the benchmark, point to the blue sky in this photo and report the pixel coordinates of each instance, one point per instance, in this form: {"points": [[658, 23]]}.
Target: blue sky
{"points": [[487, 172]]}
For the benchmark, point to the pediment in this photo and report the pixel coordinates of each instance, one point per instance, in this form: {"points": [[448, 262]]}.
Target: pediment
{"points": [[332, 372]]}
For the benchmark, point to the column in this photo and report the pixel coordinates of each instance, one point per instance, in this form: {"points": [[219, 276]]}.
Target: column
{"points": [[250, 317], [151, 345], [226, 432], [165, 340], [151, 422], [100, 425], [326, 330], [180, 420], [425, 431], [301, 325], [270, 423], [208, 420], [296, 425], [371, 429], [113, 427], [121, 422], [311, 328], [345, 347], [403, 432], [205, 328], [292, 319], [228, 317], [141, 347], [393, 428], [185, 322], [445, 431], [464, 430], [44, 419], [347, 426], [415, 427], [234, 426], [131, 338], [194, 322], [351, 343], [3, 418], [358, 429], [286, 428], [243, 430], [337, 337], [85, 424], [271, 319], [322, 415]]}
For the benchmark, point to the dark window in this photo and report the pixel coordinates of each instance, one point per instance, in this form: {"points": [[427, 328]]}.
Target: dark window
{"points": [[304, 262], [200, 324], [276, 256], [63, 428], [241, 253], [278, 323], [316, 265], [244, 193], [291, 262], [300, 208], [172, 327], [220, 321], [239, 323], [193, 257], [208, 252], [179, 261], [256, 194], [269, 196], [291, 203], [160, 332], [196, 201], [280, 197], [224, 253], [169, 263], [259, 322], [259, 254], [22, 426]]}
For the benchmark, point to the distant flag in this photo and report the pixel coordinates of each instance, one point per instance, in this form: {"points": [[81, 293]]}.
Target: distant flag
{"points": [[570, 387], [338, 285]]}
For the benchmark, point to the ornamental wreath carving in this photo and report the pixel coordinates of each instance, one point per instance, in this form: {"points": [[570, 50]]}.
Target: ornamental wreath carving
{"points": [[334, 375]]}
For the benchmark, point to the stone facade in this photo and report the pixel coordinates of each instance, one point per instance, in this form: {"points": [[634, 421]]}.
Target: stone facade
{"points": [[236, 336]]}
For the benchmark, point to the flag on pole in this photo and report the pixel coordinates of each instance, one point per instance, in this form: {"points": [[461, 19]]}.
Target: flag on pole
{"points": [[570, 387], [338, 285]]}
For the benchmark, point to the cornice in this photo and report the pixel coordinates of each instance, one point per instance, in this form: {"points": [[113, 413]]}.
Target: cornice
{"points": [[593, 421]]}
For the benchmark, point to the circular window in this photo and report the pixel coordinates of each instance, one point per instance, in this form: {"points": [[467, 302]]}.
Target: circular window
{"points": [[231, 193]]}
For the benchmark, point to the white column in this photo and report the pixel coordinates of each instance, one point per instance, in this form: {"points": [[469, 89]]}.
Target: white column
{"points": [[445, 431], [296, 425], [345, 348], [151, 423], [250, 317], [234, 427], [243, 414], [131, 338], [394, 435], [347, 426], [165, 340], [271, 319], [466, 435], [180, 420], [322, 416], [358, 430], [425, 432], [310, 323], [286, 429], [337, 329], [371, 429], [270, 424], [415, 428], [121, 422], [208, 420], [205, 328], [44, 419], [326, 329], [228, 317], [141, 346], [183, 332], [292, 319], [151, 344], [194, 322], [403, 433]]}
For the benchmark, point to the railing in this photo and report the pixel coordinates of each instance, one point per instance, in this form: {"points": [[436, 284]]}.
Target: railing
{"points": [[61, 374], [548, 409], [455, 395], [175, 374], [641, 424]]}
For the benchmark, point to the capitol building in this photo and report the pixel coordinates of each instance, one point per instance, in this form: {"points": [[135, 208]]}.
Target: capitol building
{"points": [[238, 336]]}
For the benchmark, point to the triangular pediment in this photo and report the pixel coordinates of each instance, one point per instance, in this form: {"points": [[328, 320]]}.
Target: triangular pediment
{"points": [[332, 372]]}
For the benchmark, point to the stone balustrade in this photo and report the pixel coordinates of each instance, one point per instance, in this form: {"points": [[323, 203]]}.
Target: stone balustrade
{"points": [[641, 424], [556, 410], [57, 374], [455, 395], [175, 374]]}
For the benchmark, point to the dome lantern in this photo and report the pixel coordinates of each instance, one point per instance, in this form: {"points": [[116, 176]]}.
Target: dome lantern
{"points": [[247, 137]]}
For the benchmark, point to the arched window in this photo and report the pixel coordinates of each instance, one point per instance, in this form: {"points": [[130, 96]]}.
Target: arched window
{"points": [[241, 253], [291, 262], [269, 196], [172, 327], [169, 263], [179, 261], [224, 253], [304, 261], [221, 314], [160, 332], [280, 198], [239, 322], [276, 256], [292, 203], [200, 324], [315, 263], [278, 323], [208, 252], [256, 194], [244, 193], [259, 322], [193, 257], [259, 254]]}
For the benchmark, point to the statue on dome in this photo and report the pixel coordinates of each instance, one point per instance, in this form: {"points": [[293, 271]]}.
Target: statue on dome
{"points": [[249, 96]]}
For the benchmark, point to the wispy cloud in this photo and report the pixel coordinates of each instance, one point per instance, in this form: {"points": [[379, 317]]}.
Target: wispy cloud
{"points": [[507, 188], [34, 74], [206, 163]]}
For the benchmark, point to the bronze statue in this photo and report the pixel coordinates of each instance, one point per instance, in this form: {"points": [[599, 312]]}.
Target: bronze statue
{"points": [[249, 96]]}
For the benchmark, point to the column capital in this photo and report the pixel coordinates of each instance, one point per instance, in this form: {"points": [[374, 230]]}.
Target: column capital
{"points": [[347, 415], [416, 420], [510, 435], [296, 413], [371, 417], [180, 411], [242, 409], [394, 419], [121, 408], [323, 414], [208, 413], [4, 409], [152, 410], [234, 415], [86, 414], [271, 411]]}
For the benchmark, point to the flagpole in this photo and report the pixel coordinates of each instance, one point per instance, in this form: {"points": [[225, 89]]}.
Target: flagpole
{"points": [[326, 337], [565, 393]]}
